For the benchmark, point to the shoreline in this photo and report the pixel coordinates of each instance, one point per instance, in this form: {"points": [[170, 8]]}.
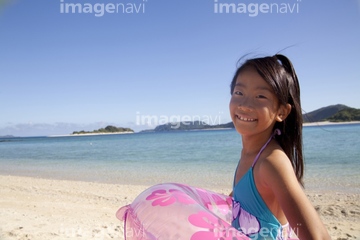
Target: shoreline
{"points": [[90, 134], [36, 208], [328, 123]]}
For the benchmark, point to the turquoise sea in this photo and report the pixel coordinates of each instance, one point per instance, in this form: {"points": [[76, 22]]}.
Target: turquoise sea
{"points": [[199, 158]]}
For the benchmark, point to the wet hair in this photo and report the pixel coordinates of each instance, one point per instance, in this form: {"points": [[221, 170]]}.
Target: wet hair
{"points": [[280, 74]]}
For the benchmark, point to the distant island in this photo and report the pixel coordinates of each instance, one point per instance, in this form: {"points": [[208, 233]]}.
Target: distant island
{"points": [[347, 115], [7, 136], [334, 113], [187, 126], [107, 130]]}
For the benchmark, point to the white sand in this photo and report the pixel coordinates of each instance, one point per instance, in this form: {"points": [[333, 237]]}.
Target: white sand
{"points": [[325, 123], [32, 208]]}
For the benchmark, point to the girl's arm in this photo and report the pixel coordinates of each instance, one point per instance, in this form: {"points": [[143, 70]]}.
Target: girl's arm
{"points": [[298, 210]]}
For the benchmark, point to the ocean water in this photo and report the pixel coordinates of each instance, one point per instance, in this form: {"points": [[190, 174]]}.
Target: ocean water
{"points": [[199, 158]]}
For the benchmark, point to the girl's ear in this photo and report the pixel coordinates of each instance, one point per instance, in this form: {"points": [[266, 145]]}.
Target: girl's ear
{"points": [[283, 112]]}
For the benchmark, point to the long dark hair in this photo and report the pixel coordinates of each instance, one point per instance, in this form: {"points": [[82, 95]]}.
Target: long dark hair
{"points": [[280, 74]]}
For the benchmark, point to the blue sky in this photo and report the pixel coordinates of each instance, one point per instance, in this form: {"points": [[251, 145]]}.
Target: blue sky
{"points": [[64, 72]]}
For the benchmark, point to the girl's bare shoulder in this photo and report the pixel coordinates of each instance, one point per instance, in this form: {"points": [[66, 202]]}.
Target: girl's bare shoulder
{"points": [[274, 163]]}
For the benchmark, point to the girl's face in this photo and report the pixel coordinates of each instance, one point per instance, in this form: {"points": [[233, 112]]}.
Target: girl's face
{"points": [[254, 108]]}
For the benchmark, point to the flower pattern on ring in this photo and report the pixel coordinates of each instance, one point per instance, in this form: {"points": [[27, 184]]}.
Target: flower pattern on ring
{"points": [[164, 197]]}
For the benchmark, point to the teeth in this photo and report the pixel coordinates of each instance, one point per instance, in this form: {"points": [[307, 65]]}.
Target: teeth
{"points": [[246, 119]]}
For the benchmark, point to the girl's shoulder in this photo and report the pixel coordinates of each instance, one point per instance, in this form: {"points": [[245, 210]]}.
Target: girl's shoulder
{"points": [[273, 163], [272, 171]]}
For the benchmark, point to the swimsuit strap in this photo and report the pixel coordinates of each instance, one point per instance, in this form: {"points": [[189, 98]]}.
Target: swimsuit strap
{"points": [[276, 132]]}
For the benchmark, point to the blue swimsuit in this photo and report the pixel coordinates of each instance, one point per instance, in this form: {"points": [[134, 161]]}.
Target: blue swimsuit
{"points": [[250, 213]]}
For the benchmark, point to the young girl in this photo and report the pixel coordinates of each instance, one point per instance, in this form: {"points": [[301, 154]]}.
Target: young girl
{"points": [[267, 193], [267, 196]]}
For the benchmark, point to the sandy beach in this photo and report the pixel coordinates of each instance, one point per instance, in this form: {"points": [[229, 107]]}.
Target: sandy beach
{"points": [[34, 208], [327, 123]]}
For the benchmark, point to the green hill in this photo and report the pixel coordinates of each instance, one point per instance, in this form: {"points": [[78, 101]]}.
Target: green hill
{"points": [[108, 129], [346, 115], [195, 125], [324, 113]]}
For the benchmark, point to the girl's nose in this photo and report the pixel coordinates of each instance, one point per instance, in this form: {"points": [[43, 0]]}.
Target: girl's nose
{"points": [[244, 104]]}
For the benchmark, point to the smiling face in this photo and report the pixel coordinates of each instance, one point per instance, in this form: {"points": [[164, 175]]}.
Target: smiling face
{"points": [[254, 108]]}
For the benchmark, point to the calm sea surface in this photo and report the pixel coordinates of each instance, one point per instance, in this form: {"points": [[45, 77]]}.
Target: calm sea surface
{"points": [[199, 158]]}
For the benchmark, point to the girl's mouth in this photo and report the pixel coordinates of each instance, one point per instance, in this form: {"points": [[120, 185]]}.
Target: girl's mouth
{"points": [[245, 119]]}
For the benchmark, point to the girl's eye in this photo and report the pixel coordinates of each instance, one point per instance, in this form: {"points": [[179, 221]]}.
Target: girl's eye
{"points": [[238, 93], [261, 96]]}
